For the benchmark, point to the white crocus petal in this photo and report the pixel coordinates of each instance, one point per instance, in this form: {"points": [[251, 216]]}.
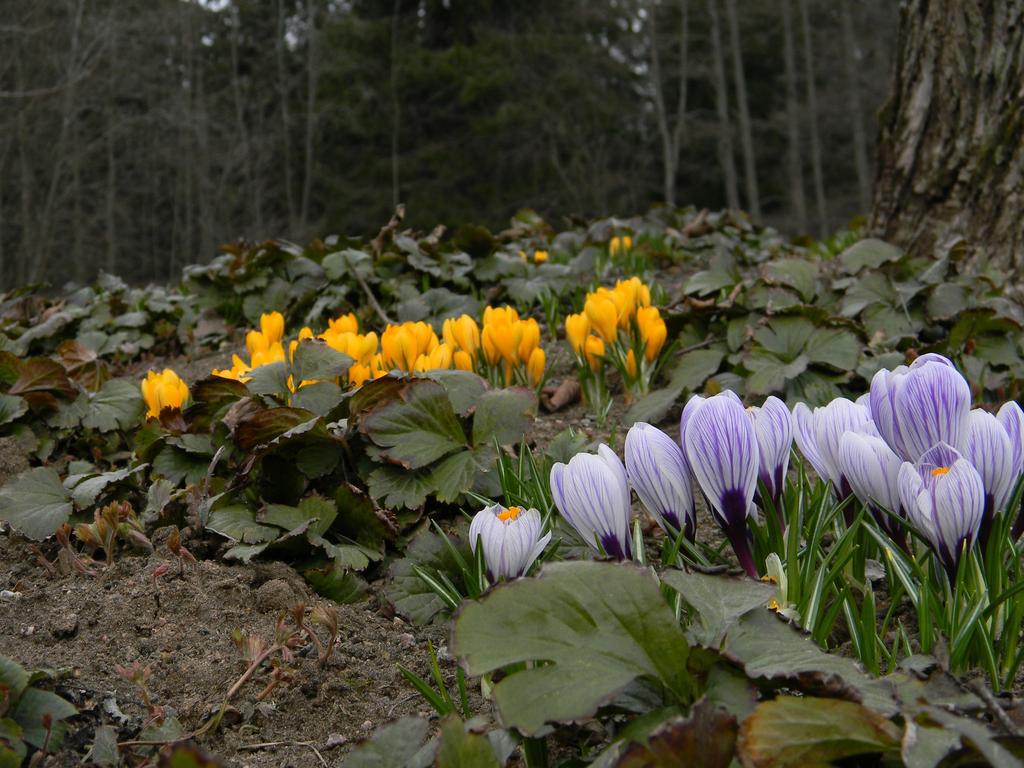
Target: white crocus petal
{"points": [[989, 449], [830, 423], [871, 468], [660, 475], [773, 429], [803, 431], [1011, 417], [592, 494]]}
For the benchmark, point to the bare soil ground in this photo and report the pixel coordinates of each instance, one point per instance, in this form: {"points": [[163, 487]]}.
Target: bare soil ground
{"points": [[83, 626]]}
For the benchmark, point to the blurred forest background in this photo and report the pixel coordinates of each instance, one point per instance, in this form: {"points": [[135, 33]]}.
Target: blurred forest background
{"points": [[138, 135]]}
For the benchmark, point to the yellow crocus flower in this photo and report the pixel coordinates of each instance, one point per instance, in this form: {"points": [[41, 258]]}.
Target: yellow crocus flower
{"points": [[603, 315], [653, 331], [535, 366], [163, 390], [539, 257], [344, 324], [399, 347], [594, 350], [577, 328], [272, 326], [614, 246], [462, 333], [463, 361], [255, 342], [358, 374], [237, 370], [273, 354], [530, 330]]}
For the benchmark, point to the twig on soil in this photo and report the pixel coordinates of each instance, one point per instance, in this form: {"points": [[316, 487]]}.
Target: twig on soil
{"points": [[995, 708], [268, 744]]}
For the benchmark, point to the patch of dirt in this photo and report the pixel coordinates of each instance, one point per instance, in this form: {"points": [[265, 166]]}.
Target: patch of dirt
{"points": [[181, 629], [13, 458]]}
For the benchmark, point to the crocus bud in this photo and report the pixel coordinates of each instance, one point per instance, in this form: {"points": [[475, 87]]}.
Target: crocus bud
{"points": [[511, 539]]}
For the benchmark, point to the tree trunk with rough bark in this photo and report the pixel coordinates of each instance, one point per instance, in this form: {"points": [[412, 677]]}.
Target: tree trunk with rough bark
{"points": [[951, 148]]}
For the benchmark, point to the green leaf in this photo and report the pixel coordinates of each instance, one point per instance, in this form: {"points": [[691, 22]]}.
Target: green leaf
{"points": [[411, 596], [872, 288], [320, 398], [40, 374], [464, 388], [463, 749], [334, 583], [599, 625], [118, 405], [813, 732], [397, 487], [104, 747], [707, 737], [869, 253], [398, 745], [35, 705], [180, 466], [273, 426], [837, 348], [711, 281], [11, 408], [13, 676], [504, 415], [417, 428], [35, 503], [769, 374], [454, 475], [238, 523], [786, 337], [317, 459], [86, 489], [270, 379], [769, 648], [315, 361], [717, 601], [799, 274], [315, 508]]}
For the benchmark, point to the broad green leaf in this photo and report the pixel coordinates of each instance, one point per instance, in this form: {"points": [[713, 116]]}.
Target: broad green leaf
{"points": [[35, 503], [411, 596], [599, 625], [13, 676], [35, 705], [717, 601], [872, 288], [104, 747], [334, 583], [869, 253], [769, 373], [813, 732], [396, 487], [799, 274], [180, 466], [711, 280], [85, 490], [318, 459], [312, 508], [270, 379], [947, 300], [786, 337], [273, 426], [315, 361], [707, 737], [837, 348], [398, 745], [11, 407], [464, 388], [503, 415], [418, 428], [319, 398], [238, 523], [40, 374], [463, 749], [769, 648]]}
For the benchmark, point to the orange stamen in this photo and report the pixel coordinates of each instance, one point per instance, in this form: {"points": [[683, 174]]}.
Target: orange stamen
{"points": [[509, 514], [939, 471]]}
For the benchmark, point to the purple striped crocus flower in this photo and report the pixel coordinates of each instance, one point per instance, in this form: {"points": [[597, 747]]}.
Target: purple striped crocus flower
{"points": [[872, 470], [917, 407], [592, 493], [510, 537], [721, 448], [773, 429], [1012, 418], [657, 470], [803, 431], [989, 449], [944, 497]]}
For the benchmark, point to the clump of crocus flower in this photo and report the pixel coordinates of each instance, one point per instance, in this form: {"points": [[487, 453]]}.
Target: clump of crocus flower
{"points": [[510, 537], [620, 245], [161, 391], [617, 326], [506, 350]]}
